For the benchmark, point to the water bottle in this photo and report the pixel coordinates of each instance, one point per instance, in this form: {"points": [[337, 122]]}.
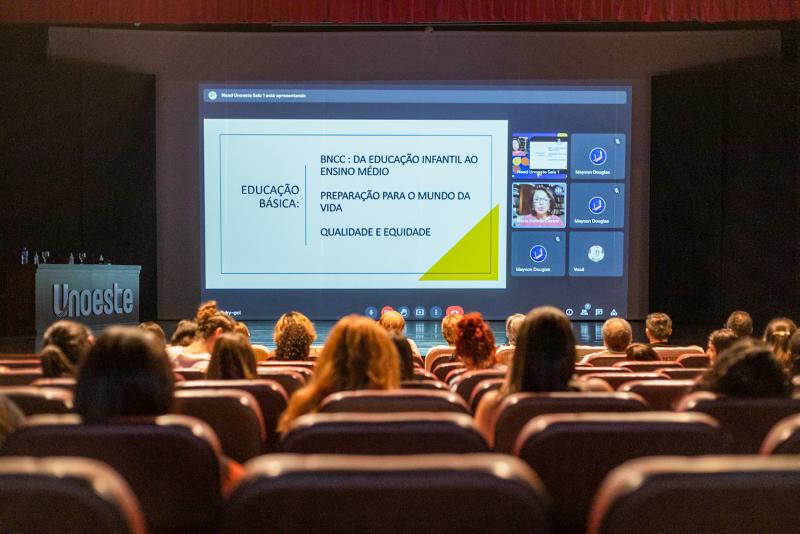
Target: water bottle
{"points": [[71, 259], [23, 256], [36, 258]]}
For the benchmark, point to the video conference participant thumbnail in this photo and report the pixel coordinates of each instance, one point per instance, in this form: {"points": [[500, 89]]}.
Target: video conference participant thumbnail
{"points": [[539, 155], [538, 205]]}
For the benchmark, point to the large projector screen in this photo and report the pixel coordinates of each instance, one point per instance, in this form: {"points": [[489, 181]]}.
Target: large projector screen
{"points": [[345, 198]]}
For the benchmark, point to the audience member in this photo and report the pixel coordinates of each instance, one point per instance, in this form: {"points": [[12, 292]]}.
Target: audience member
{"points": [[776, 335], [617, 335], [211, 323], [544, 361], [293, 317], [748, 368], [794, 352], [294, 344], [65, 346], [719, 340], [184, 333], [741, 323], [241, 328], [658, 329], [232, 359], [449, 332], [156, 331], [640, 352], [126, 376], [392, 321], [475, 342], [358, 354], [513, 323], [406, 355], [11, 418]]}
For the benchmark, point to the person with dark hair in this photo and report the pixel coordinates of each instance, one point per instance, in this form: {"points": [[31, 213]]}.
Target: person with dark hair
{"points": [[11, 418], [794, 352], [544, 361], [658, 329], [125, 373], [155, 330], [640, 352], [741, 323], [406, 355], [475, 342], [542, 209], [232, 359], [184, 333], [211, 323], [65, 345], [719, 340], [748, 368], [776, 335], [295, 343]]}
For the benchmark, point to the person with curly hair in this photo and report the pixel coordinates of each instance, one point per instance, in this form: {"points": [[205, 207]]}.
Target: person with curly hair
{"points": [[293, 317], [358, 354], [294, 344], [475, 342]]}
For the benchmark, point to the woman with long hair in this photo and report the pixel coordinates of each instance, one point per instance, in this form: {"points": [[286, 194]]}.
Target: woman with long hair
{"points": [[358, 354], [777, 335], [211, 323], [232, 359], [65, 346]]}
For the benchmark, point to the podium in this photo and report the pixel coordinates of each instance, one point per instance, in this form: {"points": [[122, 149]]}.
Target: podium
{"points": [[35, 296]]}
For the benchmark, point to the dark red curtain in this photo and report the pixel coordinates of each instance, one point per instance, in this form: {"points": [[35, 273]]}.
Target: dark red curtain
{"points": [[393, 11]]}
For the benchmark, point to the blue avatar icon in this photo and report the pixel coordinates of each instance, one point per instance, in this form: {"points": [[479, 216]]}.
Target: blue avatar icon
{"points": [[538, 253], [597, 205], [598, 155], [371, 312]]}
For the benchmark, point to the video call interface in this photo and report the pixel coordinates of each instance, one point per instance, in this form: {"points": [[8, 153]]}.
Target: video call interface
{"points": [[345, 198]]}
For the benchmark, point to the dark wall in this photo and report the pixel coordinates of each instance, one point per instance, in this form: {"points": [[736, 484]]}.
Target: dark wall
{"points": [[725, 192], [77, 161]]}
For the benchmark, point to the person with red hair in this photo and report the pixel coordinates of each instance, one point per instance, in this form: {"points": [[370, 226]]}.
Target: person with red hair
{"points": [[475, 342]]}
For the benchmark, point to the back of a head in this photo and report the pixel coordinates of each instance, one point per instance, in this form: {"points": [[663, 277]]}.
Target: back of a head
{"points": [[241, 328], [449, 332], [155, 330], [794, 352], [73, 339], [777, 335], [293, 317], [721, 339], [544, 359], [747, 369], [125, 374], [659, 325], [475, 342], [232, 359], [392, 321], [294, 344], [406, 356], [640, 352], [210, 320], [741, 323], [617, 334], [513, 324], [55, 364], [185, 333]]}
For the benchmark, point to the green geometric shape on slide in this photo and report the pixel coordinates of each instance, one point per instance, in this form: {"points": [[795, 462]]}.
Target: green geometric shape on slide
{"points": [[475, 255]]}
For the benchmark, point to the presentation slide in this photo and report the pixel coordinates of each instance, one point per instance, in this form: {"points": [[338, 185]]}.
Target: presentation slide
{"points": [[350, 198]]}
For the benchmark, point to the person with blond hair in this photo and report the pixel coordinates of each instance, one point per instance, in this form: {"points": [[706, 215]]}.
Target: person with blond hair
{"points": [[393, 322], [358, 354]]}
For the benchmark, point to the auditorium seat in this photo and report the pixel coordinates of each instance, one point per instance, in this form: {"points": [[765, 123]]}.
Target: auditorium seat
{"points": [[383, 433], [234, 415], [19, 377], [585, 370], [440, 351], [673, 353], [190, 373], [305, 371], [306, 364], [694, 360], [171, 462], [572, 453], [784, 437], [484, 387], [659, 394], [424, 493], [65, 496], [711, 495], [20, 363], [442, 370], [454, 373], [519, 408], [616, 379], [748, 420], [424, 384], [33, 400], [418, 361], [678, 373], [585, 350], [602, 360], [646, 367], [466, 383], [420, 374], [63, 383], [393, 400], [269, 394], [289, 379]]}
